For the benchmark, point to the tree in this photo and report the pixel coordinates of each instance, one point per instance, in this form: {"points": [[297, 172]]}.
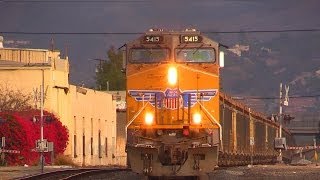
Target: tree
{"points": [[13, 100], [109, 75]]}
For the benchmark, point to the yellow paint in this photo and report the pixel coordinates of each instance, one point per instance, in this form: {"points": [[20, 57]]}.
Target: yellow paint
{"points": [[153, 78]]}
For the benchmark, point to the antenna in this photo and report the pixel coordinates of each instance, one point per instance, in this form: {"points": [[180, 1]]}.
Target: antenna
{"points": [[66, 49], [52, 44]]}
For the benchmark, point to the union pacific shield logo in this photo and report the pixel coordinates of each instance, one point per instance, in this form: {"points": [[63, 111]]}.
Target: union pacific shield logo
{"points": [[173, 98]]}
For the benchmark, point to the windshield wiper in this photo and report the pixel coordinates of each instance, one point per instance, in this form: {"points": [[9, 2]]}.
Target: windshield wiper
{"points": [[197, 48], [179, 51], [147, 49]]}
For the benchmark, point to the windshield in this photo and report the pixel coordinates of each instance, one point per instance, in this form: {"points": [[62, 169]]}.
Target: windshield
{"points": [[195, 55], [149, 55]]}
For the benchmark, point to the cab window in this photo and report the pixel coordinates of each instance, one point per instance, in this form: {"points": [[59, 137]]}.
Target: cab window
{"points": [[149, 55], [196, 55]]}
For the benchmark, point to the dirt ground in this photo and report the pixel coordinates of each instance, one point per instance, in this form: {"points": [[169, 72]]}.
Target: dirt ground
{"points": [[279, 171]]}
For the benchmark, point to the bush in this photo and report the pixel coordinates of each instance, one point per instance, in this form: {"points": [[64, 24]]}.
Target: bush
{"points": [[21, 132], [63, 160]]}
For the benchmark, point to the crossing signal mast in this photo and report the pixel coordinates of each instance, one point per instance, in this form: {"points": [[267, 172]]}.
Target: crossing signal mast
{"points": [[280, 142]]}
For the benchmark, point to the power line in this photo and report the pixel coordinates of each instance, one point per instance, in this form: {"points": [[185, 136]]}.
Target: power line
{"points": [[139, 33], [262, 31], [73, 1], [305, 96], [70, 33], [271, 98]]}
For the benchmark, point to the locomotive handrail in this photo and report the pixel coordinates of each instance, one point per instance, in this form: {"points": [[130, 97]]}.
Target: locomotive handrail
{"points": [[214, 121], [134, 117]]}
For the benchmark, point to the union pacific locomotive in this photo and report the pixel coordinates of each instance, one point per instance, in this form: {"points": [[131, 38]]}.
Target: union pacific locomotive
{"points": [[178, 121]]}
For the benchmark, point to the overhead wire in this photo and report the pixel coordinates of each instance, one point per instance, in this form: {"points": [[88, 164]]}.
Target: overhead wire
{"points": [[139, 33], [205, 32], [270, 98], [73, 1]]}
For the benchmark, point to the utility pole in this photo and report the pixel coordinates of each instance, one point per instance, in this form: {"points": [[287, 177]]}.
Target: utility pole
{"points": [[286, 103], [99, 68], [41, 122], [280, 122]]}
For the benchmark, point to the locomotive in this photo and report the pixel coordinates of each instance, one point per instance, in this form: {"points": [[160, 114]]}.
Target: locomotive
{"points": [[178, 121]]}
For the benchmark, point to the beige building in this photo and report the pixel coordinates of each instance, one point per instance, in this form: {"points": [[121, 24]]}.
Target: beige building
{"points": [[89, 115], [94, 127]]}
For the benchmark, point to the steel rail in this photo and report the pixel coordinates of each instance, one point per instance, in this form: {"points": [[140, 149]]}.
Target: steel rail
{"points": [[52, 174], [94, 172]]}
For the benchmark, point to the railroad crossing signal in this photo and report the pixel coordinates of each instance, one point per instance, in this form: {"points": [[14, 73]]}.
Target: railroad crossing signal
{"points": [[280, 143], [3, 144], [42, 146], [286, 97], [303, 147], [9, 151]]}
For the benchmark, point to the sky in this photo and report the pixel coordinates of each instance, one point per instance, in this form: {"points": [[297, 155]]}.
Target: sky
{"points": [[139, 16]]}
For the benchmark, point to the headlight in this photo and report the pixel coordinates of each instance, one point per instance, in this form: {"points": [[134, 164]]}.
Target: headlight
{"points": [[172, 75], [148, 119], [196, 118]]}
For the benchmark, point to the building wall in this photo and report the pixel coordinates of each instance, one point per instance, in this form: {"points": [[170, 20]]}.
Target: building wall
{"points": [[121, 155], [120, 99], [84, 114], [94, 115]]}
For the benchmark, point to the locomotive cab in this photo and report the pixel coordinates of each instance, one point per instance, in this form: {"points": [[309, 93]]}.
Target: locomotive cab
{"points": [[173, 124]]}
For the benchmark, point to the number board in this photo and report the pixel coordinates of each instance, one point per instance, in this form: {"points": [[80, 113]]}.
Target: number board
{"points": [[190, 39], [153, 39]]}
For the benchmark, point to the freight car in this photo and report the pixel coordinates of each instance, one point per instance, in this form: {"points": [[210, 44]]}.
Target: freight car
{"points": [[178, 121], [248, 136]]}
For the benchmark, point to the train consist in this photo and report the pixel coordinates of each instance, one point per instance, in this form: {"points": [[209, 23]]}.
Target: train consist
{"points": [[178, 121]]}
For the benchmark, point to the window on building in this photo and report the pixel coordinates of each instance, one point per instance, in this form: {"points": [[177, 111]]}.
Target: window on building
{"points": [[99, 144], [75, 146], [91, 136], [83, 145], [91, 146], [75, 138], [113, 145], [106, 146]]}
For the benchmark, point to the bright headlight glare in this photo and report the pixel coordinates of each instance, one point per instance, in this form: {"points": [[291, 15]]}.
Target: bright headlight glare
{"points": [[196, 118], [172, 75], [148, 118]]}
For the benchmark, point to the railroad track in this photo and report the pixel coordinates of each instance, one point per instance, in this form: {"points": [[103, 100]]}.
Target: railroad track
{"points": [[68, 174]]}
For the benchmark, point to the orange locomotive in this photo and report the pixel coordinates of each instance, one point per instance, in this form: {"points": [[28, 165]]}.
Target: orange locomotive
{"points": [[173, 126]]}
